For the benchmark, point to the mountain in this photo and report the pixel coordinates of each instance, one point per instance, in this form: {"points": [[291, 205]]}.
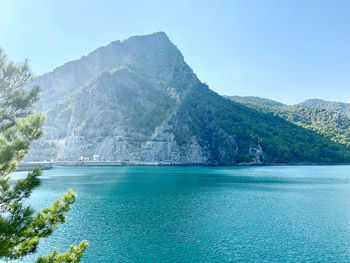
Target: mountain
{"points": [[255, 99], [138, 101], [331, 119], [339, 107]]}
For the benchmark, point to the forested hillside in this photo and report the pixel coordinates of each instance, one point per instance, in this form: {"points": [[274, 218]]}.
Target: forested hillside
{"points": [[331, 119], [137, 100]]}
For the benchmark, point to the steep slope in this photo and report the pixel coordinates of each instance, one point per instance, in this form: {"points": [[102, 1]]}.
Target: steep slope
{"points": [[255, 99], [327, 118], [258, 136], [116, 112], [138, 101], [153, 57]]}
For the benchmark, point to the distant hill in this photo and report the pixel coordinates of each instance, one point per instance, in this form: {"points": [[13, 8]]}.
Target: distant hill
{"points": [[331, 119], [339, 107], [138, 101]]}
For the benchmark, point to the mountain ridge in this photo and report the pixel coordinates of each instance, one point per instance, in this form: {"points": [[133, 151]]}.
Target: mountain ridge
{"points": [[325, 117], [138, 101]]}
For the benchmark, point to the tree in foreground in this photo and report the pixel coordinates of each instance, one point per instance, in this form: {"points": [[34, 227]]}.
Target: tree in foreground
{"points": [[21, 228]]}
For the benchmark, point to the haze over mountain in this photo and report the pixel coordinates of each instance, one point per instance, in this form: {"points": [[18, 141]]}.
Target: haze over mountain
{"points": [[138, 101], [331, 119]]}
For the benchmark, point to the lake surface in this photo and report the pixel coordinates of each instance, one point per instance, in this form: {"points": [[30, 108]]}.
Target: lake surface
{"points": [[203, 214]]}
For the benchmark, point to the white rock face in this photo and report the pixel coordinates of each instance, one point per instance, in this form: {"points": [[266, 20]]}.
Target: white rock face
{"points": [[120, 102], [163, 147]]}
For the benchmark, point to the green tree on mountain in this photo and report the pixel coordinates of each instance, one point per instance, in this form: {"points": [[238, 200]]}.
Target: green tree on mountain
{"points": [[21, 228]]}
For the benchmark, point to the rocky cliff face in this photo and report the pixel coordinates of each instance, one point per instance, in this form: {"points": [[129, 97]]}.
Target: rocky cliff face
{"points": [[115, 103], [138, 101]]}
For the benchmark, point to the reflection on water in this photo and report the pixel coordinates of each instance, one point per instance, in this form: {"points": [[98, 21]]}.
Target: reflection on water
{"points": [[203, 214]]}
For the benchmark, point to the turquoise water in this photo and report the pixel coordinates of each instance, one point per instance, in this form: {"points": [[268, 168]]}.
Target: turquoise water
{"points": [[203, 214]]}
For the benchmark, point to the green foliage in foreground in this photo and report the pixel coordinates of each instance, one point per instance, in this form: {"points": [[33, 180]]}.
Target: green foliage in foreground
{"points": [[21, 228], [72, 255]]}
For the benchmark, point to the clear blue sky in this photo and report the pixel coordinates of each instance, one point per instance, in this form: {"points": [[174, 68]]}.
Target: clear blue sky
{"points": [[283, 50]]}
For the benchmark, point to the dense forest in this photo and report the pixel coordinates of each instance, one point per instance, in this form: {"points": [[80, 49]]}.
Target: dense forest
{"points": [[331, 119], [205, 114], [141, 102]]}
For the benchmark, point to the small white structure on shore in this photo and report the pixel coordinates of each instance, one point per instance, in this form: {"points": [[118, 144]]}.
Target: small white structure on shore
{"points": [[81, 159], [95, 158], [86, 159]]}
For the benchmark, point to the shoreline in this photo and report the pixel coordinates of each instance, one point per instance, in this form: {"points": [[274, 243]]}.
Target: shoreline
{"points": [[28, 166]]}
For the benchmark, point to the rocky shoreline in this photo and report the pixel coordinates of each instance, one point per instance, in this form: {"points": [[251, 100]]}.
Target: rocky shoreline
{"points": [[28, 166]]}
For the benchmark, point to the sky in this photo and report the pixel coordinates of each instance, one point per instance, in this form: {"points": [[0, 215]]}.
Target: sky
{"points": [[288, 51]]}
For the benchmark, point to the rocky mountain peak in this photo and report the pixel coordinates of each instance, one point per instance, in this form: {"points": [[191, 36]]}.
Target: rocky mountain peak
{"points": [[152, 56], [137, 101]]}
